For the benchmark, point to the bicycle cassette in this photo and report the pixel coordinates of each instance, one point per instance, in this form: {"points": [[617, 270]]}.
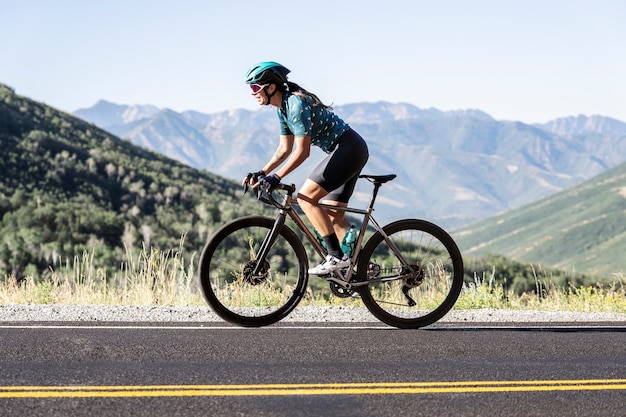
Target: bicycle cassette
{"points": [[413, 278]]}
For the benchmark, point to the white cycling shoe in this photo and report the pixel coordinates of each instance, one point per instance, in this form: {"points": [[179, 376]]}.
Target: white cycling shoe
{"points": [[330, 264]]}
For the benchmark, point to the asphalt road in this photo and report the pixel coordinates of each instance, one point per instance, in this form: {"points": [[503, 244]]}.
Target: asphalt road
{"points": [[310, 370]]}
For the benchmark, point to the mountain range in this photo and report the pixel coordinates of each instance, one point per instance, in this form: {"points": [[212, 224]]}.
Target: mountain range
{"points": [[453, 167]]}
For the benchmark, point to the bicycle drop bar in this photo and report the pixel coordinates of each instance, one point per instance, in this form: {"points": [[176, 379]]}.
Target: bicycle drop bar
{"points": [[258, 192]]}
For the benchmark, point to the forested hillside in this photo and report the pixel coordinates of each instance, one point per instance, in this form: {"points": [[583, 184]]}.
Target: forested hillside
{"points": [[69, 187], [581, 229]]}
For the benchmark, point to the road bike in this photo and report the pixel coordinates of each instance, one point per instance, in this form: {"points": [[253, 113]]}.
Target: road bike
{"points": [[254, 270]]}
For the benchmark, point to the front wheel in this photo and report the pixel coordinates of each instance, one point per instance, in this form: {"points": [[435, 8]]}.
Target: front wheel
{"points": [[248, 291], [420, 292]]}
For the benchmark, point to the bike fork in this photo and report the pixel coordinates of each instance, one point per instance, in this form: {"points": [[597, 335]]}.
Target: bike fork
{"points": [[269, 240]]}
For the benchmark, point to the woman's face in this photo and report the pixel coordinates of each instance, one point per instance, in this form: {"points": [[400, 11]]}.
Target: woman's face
{"points": [[260, 91]]}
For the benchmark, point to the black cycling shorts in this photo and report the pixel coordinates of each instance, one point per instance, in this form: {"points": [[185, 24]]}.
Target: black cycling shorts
{"points": [[339, 171]]}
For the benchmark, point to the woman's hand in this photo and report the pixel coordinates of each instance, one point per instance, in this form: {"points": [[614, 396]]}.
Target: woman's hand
{"points": [[269, 182], [253, 177]]}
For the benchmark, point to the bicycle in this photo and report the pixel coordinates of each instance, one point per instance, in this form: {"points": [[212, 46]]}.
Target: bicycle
{"points": [[254, 270]]}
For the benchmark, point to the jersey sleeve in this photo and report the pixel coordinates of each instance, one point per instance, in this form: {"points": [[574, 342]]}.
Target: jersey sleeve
{"points": [[284, 128], [299, 115]]}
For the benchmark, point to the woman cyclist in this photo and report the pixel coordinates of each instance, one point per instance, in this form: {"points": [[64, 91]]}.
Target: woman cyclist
{"points": [[305, 121]]}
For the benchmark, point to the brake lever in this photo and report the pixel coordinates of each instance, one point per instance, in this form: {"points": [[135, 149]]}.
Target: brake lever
{"points": [[246, 184], [257, 191]]}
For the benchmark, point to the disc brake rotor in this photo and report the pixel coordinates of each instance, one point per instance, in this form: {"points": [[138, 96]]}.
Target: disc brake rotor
{"points": [[261, 275]]}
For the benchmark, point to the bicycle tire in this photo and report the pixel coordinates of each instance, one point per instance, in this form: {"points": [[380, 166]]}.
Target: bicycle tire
{"points": [[434, 288], [240, 297]]}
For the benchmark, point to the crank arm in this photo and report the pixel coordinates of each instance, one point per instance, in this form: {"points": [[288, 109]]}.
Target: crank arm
{"points": [[339, 281]]}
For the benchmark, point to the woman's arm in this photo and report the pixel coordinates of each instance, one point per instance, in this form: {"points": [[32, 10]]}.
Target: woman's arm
{"points": [[282, 152], [301, 153]]}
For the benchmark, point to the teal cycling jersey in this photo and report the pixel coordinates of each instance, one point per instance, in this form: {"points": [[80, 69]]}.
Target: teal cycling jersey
{"points": [[301, 117]]}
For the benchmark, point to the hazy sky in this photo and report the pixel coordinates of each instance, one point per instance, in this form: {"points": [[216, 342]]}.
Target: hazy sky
{"points": [[532, 60]]}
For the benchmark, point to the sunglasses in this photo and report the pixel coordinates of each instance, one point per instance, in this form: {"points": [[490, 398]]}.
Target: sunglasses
{"points": [[257, 87]]}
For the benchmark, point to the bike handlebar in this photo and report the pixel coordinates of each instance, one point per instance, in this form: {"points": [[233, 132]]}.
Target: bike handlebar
{"points": [[269, 194]]}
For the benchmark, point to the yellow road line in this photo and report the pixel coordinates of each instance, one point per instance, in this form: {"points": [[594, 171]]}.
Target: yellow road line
{"points": [[309, 389]]}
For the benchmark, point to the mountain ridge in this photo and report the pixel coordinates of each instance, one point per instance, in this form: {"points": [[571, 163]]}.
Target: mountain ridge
{"points": [[531, 161], [581, 124]]}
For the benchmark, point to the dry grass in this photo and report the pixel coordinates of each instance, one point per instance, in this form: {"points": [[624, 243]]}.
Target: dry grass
{"points": [[485, 293], [155, 277]]}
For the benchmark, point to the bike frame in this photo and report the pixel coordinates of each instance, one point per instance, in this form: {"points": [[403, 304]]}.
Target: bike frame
{"points": [[287, 208]]}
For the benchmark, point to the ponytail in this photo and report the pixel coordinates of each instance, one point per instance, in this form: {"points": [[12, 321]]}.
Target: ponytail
{"points": [[297, 90]]}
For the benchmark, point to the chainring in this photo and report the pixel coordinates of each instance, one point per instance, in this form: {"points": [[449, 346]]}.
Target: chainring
{"points": [[340, 291]]}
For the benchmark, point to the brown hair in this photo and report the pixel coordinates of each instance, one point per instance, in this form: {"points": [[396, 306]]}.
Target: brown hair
{"points": [[297, 90]]}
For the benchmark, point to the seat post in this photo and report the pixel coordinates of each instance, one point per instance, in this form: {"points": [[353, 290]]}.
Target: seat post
{"points": [[377, 185]]}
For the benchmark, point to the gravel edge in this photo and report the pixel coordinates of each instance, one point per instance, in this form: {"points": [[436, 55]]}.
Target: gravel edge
{"points": [[106, 313]]}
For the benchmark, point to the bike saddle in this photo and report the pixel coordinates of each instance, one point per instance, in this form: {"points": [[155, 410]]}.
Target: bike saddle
{"points": [[379, 178]]}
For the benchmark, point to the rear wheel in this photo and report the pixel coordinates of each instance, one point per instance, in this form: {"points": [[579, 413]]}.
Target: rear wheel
{"points": [[423, 291], [248, 291]]}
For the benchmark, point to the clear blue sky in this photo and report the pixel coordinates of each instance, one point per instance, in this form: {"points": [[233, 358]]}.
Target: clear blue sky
{"points": [[532, 60]]}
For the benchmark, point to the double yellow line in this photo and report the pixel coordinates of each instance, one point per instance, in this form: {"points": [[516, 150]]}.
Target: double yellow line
{"points": [[308, 389]]}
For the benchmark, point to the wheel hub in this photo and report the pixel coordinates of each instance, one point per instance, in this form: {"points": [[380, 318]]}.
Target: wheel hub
{"points": [[373, 270]]}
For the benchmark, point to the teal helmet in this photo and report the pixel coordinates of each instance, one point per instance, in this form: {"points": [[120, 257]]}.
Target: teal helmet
{"points": [[267, 72]]}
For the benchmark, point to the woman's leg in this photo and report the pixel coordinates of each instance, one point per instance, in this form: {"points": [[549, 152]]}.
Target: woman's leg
{"points": [[308, 197], [337, 218], [325, 221], [337, 172]]}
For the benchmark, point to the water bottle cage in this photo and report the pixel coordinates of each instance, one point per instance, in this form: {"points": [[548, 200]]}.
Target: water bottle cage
{"points": [[347, 244]]}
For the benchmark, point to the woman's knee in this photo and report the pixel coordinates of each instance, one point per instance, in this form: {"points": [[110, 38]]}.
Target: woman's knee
{"points": [[310, 194]]}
